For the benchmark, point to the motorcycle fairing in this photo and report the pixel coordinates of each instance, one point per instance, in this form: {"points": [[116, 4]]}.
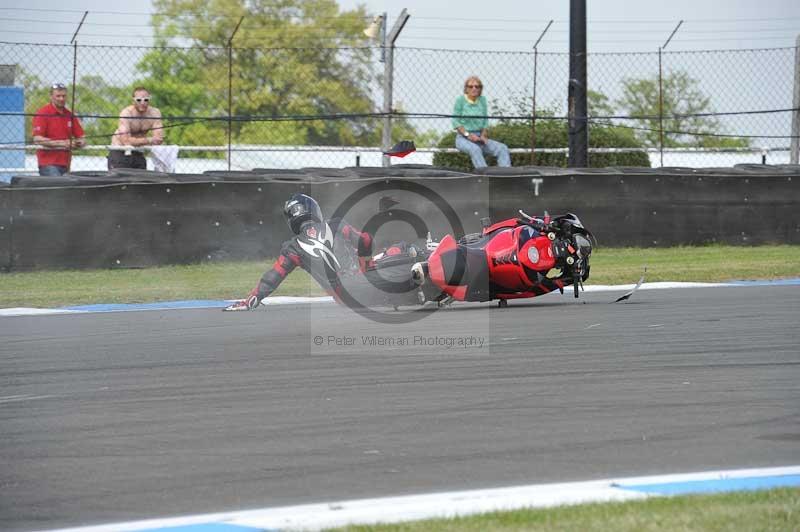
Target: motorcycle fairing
{"points": [[513, 256], [544, 287], [513, 222]]}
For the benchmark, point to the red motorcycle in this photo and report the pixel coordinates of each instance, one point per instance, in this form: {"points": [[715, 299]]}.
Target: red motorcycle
{"points": [[516, 258]]}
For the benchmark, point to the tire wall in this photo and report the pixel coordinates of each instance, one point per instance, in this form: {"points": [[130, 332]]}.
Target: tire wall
{"points": [[132, 222]]}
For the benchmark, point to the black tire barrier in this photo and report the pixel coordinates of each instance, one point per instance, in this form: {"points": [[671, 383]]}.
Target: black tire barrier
{"points": [[108, 220]]}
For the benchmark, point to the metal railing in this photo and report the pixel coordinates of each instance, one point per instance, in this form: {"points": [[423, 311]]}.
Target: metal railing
{"points": [[297, 157]]}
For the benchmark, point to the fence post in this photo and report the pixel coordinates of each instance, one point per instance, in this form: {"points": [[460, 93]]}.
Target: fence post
{"points": [[660, 109], [661, 95], [74, 79], [577, 109], [388, 74], [388, 80], [795, 149], [533, 113], [230, 87], [74, 76]]}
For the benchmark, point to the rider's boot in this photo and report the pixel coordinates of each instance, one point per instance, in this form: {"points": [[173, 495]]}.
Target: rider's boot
{"points": [[419, 271]]}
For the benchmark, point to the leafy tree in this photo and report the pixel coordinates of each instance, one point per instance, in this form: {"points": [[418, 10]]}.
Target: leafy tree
{"points": [[180, 87], [300, 58], [98, 104], [722, 142], [599, 104], [36, 96], [681, 97], [520, 104]]}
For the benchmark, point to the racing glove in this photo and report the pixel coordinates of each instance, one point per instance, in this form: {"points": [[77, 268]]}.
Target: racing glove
{"points": [[249, 303]]}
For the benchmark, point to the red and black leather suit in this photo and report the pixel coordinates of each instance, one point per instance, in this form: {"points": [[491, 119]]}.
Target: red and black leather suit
{"points": [[324, 250]]}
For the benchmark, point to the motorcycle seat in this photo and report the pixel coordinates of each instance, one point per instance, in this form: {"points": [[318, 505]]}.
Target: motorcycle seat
{"points": [[467, 266]]}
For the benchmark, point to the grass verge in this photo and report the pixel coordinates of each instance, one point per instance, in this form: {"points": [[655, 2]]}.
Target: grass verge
{"points": [[768, 510], [234, 279]]}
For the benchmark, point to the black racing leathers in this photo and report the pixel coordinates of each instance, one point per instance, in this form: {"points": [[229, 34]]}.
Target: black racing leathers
{"points": [[326, 250]]}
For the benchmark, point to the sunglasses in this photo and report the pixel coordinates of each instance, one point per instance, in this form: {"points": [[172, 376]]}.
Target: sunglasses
{"points": [[140, 100], [474, 86], [58, 86]]}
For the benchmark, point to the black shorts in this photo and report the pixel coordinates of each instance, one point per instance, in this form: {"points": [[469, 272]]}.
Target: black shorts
{"points": [[118, 159]]}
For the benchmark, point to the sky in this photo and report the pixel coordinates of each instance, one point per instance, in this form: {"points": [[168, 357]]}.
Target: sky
{"points": [[515, 25]]}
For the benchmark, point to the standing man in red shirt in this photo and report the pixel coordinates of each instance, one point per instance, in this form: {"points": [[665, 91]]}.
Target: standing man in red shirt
{"points": [[57, 130]]}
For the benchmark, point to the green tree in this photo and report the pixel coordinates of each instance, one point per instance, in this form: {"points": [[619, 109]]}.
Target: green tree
{"points": [[300, 58], [181, 88], [98, 104], [37, 94], [599, 104], [682, 98]]}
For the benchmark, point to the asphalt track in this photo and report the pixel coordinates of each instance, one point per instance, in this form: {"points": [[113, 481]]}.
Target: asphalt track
{"points": [[131, 415]]}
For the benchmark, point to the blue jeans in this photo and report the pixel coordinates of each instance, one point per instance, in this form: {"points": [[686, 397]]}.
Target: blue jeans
{"points": [[476, 150], [52, 169]]}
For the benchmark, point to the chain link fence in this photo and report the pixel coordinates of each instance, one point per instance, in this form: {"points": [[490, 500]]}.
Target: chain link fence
{"points": [[248, 108]]}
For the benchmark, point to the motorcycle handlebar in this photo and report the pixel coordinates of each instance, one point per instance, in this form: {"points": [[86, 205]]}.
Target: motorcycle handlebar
{"points": [[539, 224], [542, 227]]}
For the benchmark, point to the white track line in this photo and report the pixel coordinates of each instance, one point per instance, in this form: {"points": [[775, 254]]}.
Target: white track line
{"points": [[433, 505], [290, 300]]}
